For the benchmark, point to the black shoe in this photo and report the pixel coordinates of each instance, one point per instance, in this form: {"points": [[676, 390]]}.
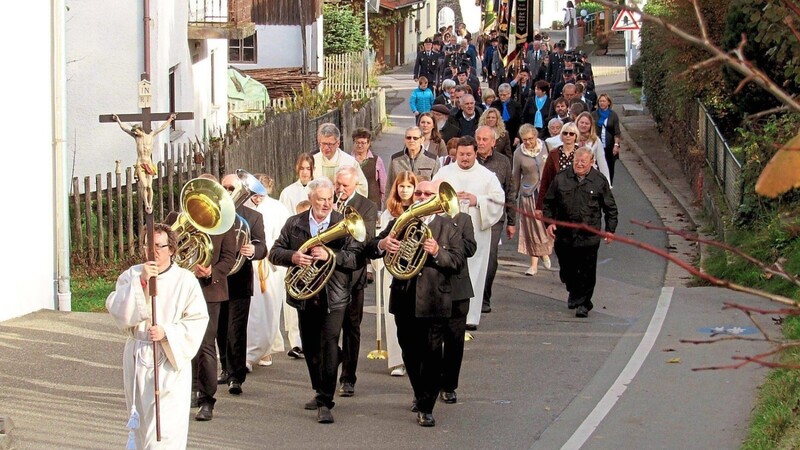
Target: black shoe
{"points": [[425, 419], [312, 405], [486, 309], [193, 403], [448, 397], [471, 327], [581, 312], [205, 414], [324, 415], [234, 387], [224, 377], [414, 406], [347, 390], [296, 353]]}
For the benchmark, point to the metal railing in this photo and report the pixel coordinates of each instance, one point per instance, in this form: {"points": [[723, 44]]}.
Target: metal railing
{"points": [[720, 159], [219, 11]]}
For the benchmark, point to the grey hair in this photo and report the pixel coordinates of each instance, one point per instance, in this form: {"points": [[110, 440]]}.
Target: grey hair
{"points": [[317, 184], [584, 149], [505, 87], [329, 130], [414, 129], [553, 121], [351, 170], [447, 84]]}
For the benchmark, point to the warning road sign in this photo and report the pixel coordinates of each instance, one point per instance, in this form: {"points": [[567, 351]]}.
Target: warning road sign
{"points": [[625, 22]]}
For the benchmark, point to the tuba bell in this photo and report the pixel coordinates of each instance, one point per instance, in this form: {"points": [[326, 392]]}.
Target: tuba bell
{"points": [[412, 233], [304, 282], [247, 186], [206, 208]]}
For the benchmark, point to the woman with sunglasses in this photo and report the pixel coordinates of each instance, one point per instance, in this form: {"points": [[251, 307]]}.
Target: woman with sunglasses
{"points": [[558, 160], [399, 199]]}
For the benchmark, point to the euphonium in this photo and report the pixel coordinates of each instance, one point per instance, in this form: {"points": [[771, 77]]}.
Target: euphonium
{"points": [[304, 282], [206, 208], [412, 233], [247, 186]]}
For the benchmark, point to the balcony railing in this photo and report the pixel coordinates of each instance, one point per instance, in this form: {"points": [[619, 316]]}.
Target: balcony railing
{"points": [[220, 19]]}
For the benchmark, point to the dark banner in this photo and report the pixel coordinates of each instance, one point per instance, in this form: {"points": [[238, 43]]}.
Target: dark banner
{"points": [[523, 20]]}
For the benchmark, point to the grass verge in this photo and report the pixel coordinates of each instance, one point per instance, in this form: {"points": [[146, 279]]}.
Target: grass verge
{"points": [[775, 422], [91, 285]]}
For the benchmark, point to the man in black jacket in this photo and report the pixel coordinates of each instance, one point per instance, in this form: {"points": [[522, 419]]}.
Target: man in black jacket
{"points": [[422, 305], [232, 333], [579, 194], [455, 330], [320, 316], [346, 196]]}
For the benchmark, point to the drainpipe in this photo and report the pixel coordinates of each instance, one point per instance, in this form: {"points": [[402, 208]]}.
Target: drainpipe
{"points": [[61, 186]]}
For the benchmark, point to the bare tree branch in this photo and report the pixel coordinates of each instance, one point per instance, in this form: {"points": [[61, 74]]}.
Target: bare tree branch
{"points": [[766, 112], [701, 22], [790, 23], [736, 60]]}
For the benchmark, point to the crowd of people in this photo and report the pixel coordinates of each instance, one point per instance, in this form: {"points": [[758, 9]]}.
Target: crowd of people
{"points": [[535, 152]]}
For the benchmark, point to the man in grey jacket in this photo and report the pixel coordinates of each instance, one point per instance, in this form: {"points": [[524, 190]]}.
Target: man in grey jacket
{"points": [[413, 158]]}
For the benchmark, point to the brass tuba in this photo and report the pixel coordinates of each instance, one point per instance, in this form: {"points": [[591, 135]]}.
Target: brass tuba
{"points": [[206, 208], [412, 233], [247, 186], [304, 282]]}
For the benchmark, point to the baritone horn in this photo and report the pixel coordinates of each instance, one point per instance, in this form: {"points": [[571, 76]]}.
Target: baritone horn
{"points": [[304, 282], [412, 233], [206, 209], [246, 187]]}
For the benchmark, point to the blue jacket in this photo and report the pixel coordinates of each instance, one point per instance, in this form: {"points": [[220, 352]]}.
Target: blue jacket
{"points": [[421, 101]]}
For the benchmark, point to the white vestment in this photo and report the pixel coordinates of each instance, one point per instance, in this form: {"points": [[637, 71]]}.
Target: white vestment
{"points": [[181, 311], [263, 323], [293, 194], [483, 184], [383, 281], [327, 167]]}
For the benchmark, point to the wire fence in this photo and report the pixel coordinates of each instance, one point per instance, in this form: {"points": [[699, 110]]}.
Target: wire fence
{"points": [[720, 159]]}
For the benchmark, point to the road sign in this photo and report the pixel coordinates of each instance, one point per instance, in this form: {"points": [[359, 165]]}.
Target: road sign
{"points": [[625, 22]]}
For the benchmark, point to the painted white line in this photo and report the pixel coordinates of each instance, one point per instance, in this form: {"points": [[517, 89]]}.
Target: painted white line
{"points": [[581, 435]]}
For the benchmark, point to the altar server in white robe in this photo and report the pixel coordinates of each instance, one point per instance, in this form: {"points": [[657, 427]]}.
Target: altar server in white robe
{"points": [[181, 318], [269, 292], [481, 195]]}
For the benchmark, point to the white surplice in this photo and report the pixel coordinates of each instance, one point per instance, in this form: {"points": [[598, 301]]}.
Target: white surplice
{"points": [[181, 311], [383, 281], [483, 184], [324, 167], [263, 323], [293, 194]]}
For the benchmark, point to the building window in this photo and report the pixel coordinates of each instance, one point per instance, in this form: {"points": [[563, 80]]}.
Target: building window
{"points": [[242, 50], [213, 80], [428, 12]]}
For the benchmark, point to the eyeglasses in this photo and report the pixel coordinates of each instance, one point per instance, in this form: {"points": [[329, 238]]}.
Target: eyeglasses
{"points": [[413, 138], [157, 246], [421, 193], [567, 133], [229, 188], [329, 144]]}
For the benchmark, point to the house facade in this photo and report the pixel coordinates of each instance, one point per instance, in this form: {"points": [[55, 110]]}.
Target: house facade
{"points": [[401, 40], [105, 52], [285, 31]]}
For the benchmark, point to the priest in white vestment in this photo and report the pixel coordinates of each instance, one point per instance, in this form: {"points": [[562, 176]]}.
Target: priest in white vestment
{"points": [[330, 157], [269, 291], [181, 318], [481, 194]]}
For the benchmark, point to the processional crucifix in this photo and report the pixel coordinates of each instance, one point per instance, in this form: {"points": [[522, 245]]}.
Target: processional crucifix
{"points": [[145, 170]]}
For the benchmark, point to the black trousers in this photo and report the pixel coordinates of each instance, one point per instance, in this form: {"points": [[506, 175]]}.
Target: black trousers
{"points": [[319, 331], [578, 270], [454, 345], [491, 271], [232, 337], [351, 336], [204, 364], [421, 341], [611, 161]]}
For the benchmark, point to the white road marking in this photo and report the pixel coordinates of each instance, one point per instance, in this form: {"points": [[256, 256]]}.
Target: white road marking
{"points": [[581, 435]]}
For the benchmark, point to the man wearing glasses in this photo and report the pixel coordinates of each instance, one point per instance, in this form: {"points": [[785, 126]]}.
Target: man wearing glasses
{"points": [[412, 158], [330, 157], [422, 305]]}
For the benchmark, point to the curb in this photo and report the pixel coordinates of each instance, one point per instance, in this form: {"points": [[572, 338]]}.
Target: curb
{"points": [[6, 425]]}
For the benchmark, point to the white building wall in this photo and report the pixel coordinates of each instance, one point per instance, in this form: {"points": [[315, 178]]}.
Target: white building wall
{"points": [[105, 60], [282, 46], [427, 28], [30, 282], [552, 10]]}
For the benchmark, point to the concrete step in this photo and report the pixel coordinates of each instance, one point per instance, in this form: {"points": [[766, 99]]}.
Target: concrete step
{"points": [[6, 425], [634, 110]]}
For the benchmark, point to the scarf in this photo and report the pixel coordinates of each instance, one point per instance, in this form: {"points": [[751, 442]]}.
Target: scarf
{"points": [[602, 116], [538, 121], [506, 115]]}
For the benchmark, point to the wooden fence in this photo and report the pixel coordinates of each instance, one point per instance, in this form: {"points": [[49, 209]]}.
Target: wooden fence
{"points": [[105, 222], [348, 72]]}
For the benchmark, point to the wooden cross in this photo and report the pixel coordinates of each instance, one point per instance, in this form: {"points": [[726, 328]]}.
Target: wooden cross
{"points": [[146, 117]]}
